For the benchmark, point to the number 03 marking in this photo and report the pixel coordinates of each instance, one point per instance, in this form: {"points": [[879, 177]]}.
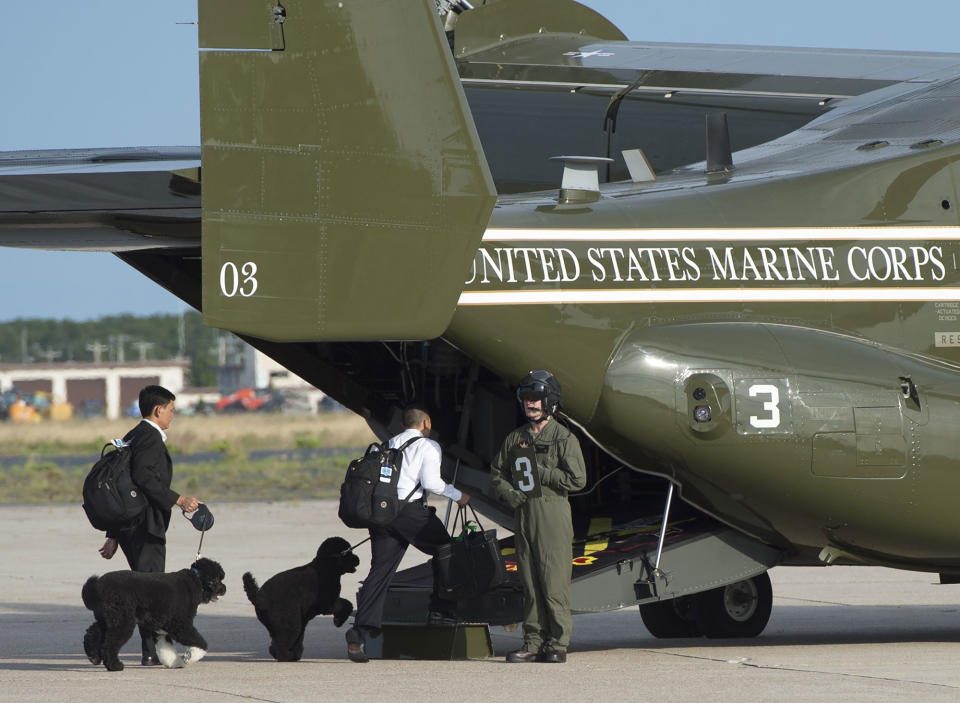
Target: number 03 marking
{"points": [[230, 279], [771, 406], [523, 466]]}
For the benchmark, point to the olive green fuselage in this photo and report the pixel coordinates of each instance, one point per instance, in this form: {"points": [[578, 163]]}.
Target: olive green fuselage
{"points": [[827, 359]]}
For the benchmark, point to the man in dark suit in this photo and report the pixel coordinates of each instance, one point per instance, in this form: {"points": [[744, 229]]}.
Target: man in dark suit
{"points": [[144, 543]]}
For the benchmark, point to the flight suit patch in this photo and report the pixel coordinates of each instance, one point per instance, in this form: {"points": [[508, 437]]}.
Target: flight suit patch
{"points": [[524, 474]]}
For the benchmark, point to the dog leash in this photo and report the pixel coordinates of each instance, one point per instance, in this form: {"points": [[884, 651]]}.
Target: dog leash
{"points": [[346, 551], [201, 519], [200, 546]]}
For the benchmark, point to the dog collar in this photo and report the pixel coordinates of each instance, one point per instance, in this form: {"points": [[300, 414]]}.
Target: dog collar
{"points": [[197, 574]]}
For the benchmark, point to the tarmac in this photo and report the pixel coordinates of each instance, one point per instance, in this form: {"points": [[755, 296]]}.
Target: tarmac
{"points": [[836, 633]]}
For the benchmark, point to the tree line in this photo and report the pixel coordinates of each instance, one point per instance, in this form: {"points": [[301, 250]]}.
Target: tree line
{"points": [[115, 338]]}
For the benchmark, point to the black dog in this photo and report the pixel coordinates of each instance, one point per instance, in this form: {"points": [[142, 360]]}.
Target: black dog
{"points": [[291, 599], [165, 603]]}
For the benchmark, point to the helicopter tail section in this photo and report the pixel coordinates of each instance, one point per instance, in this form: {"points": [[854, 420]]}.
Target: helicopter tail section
{"points": [[345, 191]]}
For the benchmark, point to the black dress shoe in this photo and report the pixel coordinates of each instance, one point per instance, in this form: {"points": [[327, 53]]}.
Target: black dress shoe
{"points": [[149, 660], [522, 656], [552, 656], [355, 647]]}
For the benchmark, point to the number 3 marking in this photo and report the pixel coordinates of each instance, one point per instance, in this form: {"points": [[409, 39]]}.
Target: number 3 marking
{"points": [[770, 406], [523, 466], [230, 283]]}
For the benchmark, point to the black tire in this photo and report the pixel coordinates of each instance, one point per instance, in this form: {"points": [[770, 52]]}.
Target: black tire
{"points": [[670, 618], [739, 609]]}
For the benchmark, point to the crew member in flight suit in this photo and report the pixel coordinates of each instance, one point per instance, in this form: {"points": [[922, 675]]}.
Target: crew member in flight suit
{"points": [[538, 464]]}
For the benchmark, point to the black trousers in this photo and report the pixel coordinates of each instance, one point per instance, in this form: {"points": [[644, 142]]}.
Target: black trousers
{"points": [[417, 525], [145, 553]]}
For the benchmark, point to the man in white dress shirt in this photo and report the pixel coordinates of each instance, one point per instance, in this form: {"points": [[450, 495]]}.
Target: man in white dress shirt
{"points": [[415, 524]]}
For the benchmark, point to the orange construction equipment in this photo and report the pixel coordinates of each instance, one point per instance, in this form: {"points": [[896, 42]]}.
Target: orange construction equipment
{"points": [[21, 412]]}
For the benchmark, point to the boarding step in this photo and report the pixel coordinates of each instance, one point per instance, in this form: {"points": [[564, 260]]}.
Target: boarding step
{"points": [[444, 642], [408, 601]]}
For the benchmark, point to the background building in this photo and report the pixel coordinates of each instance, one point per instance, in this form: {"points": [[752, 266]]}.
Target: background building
{"points": [[106, 388], [110, 388]]}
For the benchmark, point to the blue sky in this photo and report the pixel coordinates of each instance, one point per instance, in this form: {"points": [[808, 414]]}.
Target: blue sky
{"points": [[98, 73]]}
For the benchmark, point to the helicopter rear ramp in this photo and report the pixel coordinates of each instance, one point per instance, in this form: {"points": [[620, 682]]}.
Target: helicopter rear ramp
{"points": [[614, 566]]}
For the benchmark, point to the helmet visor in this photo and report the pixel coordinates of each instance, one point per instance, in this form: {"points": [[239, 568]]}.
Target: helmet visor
{"points": [[532, 391]]}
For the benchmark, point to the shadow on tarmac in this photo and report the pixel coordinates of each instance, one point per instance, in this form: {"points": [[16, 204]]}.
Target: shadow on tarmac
{"points": [[54, 633], [792, 626]]}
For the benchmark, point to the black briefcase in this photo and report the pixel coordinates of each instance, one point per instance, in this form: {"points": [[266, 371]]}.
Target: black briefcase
{"points": [[471, 563]]}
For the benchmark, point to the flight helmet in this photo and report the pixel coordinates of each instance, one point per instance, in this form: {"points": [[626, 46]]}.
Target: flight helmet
{"points": [[543, 384]]}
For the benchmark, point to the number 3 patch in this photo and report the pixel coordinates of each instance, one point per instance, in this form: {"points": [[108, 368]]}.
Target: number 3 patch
{"points": [[763, 406], [524, 474]]}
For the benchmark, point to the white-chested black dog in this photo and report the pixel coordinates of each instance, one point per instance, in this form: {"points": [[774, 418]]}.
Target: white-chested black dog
{"points": [[165, 602], [291, 599]]}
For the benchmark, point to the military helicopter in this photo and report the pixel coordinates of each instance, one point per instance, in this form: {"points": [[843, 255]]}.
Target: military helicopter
{"points": [[755, 329]]}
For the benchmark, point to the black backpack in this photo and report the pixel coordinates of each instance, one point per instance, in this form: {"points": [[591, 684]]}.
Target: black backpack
{"points": [[368, 494], [111, 499]]}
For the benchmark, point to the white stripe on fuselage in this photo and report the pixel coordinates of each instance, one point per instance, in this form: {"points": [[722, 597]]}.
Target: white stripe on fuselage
{"points": [[709, 295]]}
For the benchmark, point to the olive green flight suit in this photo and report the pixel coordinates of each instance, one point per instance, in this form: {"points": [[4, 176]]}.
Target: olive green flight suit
{"points": [[532, 473]]}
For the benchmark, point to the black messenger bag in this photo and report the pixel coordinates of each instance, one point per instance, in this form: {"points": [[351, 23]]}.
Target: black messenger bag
{"points": [[471, 563]]}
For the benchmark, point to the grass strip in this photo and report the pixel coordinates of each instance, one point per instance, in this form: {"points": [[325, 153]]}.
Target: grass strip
{"points": [[230, 479]]}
